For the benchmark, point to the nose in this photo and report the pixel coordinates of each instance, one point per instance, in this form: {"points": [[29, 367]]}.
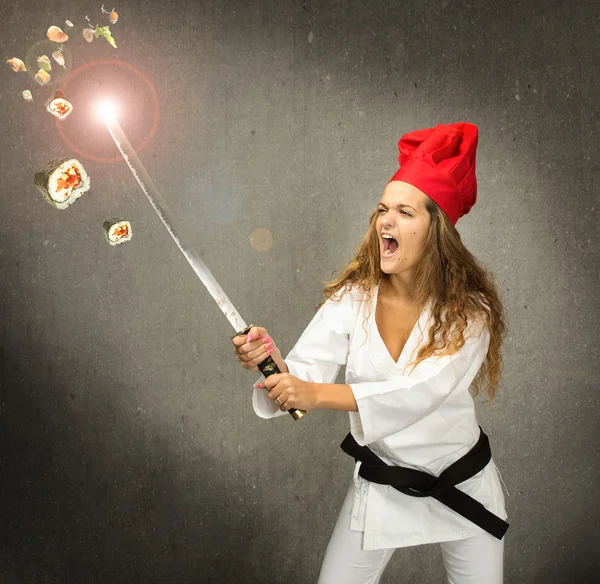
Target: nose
{"points": [[386, 223]]}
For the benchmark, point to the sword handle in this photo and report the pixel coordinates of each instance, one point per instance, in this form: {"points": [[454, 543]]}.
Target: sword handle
{"points": [[269, 367]]}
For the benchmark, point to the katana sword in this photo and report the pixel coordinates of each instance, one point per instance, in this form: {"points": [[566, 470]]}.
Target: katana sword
{"points": [[268, 366]]}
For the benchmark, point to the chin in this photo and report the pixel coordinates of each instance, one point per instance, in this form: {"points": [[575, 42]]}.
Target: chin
{"points": [[393, 268]]}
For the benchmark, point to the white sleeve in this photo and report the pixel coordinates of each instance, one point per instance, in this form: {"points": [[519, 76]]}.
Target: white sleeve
{"points": [[319, 352], [387, 407]]}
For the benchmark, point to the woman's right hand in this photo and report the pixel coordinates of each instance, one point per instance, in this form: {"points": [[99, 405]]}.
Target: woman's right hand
{"points": [[254, 348]]}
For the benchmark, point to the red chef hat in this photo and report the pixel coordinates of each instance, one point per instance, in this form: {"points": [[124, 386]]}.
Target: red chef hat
{"points": [[440, 162]]}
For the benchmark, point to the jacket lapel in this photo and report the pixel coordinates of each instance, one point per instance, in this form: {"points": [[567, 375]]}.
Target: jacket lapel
{"points": [[380, 353]]}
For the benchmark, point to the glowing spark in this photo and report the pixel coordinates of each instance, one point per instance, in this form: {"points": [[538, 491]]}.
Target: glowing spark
{"points": [[106, 110]]}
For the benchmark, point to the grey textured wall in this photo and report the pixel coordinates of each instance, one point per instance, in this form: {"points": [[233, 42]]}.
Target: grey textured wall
{"points": [[130, 450]]}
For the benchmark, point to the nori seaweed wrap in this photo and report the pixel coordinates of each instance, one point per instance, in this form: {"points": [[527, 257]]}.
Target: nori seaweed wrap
{"points": [[117, 231]]}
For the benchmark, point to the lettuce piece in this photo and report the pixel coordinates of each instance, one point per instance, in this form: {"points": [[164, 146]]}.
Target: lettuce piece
{"points": [[105, 32]]}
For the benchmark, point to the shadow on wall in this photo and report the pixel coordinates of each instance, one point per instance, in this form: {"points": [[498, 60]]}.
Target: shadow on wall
{"points": [[93, 498]]}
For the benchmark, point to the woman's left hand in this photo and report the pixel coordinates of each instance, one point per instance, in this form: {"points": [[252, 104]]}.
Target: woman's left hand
{"points": [[287, 391]]}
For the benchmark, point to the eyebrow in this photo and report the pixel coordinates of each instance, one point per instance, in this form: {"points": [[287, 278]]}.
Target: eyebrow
{"points": [[399, 206]]}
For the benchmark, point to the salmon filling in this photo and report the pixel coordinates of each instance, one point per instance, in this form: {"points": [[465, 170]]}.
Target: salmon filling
{"points": [[119, 232], [61, 107], [69, 180]]}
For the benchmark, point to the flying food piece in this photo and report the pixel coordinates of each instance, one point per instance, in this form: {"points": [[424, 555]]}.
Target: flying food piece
{"points": [[100, 31], [105, 32], [17, 64], [59, 106], [62, 182], [88, 34], [59, 57], [42, 77], [44, 63], [117, 231], [56, 35], [69, 23], [27, 95], [112, 15]]}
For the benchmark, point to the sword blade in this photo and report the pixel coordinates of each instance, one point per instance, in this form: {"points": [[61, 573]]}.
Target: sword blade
{"points": [[159, 205]]}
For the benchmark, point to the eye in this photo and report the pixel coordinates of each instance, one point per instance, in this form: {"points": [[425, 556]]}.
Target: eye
{"points": [[384, 210]]}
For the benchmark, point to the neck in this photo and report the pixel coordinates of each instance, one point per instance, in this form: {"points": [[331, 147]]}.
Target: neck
{"points": [[397, 288]]}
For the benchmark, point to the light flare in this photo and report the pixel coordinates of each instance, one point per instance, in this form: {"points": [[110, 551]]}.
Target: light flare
{"points": [[106, 110]]}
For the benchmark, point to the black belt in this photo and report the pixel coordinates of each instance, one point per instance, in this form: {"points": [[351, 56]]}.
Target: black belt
{"points": [[416, 483]]}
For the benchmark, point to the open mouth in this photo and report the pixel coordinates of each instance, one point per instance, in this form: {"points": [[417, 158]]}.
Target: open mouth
{"points": [[389, 247]]}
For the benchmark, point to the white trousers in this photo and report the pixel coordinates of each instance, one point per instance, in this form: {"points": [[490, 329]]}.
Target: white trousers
{"points": [[474, 560]]}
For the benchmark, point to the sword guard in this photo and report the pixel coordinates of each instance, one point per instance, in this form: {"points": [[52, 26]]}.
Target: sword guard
{"points": [[244, 331]]}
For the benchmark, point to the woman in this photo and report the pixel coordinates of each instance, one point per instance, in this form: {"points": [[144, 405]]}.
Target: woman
{"points": [[417, 321]]}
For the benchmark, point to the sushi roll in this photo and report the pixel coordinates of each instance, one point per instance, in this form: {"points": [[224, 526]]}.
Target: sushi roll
{"points": [[42, 77], [62, 182], [117, 231], [59, 106]]}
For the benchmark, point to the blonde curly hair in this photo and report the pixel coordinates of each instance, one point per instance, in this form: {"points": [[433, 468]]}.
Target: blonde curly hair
{"points": [[458, 284]]}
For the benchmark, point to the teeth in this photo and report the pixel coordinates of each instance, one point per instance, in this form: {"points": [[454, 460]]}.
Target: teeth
{"points": [[386, 236]]}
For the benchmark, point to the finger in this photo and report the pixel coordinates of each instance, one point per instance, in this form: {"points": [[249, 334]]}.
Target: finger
{"points": [[279, 399], [256, 332], [241, 358], [286, 405], [278, 396], [271, 383], [258, 355], [244, 363], [251, 351], [253, 334], [254, 348], [238, 340]]}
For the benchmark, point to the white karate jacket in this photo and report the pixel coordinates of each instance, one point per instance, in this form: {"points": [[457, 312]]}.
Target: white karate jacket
{"points": [[424, 420]]}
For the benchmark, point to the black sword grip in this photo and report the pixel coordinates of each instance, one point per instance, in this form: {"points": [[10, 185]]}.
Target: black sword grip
{"points": [[269, 367]]}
